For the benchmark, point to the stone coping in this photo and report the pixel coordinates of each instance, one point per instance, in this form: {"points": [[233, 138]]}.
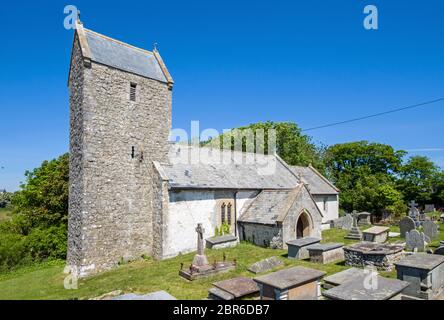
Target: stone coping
{"points": [[303, 242], [290, 278], [376, 230], [422, 261], [375, 248], [222, 239], [325, 246], [355, 289]]}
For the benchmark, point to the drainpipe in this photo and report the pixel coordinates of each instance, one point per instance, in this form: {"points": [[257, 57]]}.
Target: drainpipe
{"points": [[235, 213]]}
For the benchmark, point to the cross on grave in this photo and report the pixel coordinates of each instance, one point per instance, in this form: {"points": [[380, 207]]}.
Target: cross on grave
{"points": [[200, 241], [413, 212], [413, 205]]}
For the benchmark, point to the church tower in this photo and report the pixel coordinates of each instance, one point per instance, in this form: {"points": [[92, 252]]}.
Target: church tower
{"points": [[120, 120]]}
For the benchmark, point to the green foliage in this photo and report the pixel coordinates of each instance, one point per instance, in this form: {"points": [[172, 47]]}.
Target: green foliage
{"points": [[43, 199], [291, 145], [365, 174], [37, 229], [223, 229], [5, 199], [421, 180]]}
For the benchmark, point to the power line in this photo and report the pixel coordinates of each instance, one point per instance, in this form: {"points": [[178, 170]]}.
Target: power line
{"points": [[375, 115]]}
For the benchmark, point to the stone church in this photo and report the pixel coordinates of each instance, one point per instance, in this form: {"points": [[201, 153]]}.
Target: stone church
{"points": [[132, 195]]}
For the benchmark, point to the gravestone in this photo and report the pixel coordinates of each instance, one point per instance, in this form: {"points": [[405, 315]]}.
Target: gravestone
{"points": [[413, 211], [405, 225], [354, 233], [345, 222], [415, 240], [429, 208], [200, 267], [430, 229], [265, 265], [200, 259]]}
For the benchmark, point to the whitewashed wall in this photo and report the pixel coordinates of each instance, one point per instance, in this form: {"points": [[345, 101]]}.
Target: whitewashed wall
{"points": [[332, 211], [187, 208]]}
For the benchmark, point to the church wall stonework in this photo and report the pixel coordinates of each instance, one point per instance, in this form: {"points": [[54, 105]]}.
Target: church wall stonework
{"points": [[111, 192], [187, 208], [261, 235], [303, 202]]}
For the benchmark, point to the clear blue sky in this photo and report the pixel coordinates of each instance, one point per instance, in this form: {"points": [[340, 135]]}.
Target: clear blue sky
{"points": [[235, 63]]}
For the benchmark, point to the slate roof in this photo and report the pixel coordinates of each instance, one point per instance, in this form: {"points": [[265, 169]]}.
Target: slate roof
{"points": [[238, 171], [268, 206], [317, 183], [122, 56]]}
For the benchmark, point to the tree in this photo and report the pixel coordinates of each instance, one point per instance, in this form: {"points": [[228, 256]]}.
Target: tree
{"points": [[365, 174], [419, 179], [43, 198], [292, 146]]}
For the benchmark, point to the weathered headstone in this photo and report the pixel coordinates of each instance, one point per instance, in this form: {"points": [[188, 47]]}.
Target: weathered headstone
{"points": [[354, 233], [429, 208], [415, 240], [200, 259], [413, 211], [345, 222], [405, 225], [430, 229], [265, 265]]}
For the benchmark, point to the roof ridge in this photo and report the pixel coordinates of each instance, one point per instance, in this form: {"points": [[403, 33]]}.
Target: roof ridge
{"points": [[290, 200], [118, 41]]}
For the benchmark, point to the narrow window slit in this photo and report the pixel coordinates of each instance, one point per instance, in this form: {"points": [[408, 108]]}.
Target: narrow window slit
{"points": [[133, 87]]}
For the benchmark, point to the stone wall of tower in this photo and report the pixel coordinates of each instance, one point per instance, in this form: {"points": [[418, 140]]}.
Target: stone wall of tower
{"points": [[111, 192]]}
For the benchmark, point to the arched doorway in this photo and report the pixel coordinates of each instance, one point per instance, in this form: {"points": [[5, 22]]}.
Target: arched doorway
{"points": [[303, 226]]}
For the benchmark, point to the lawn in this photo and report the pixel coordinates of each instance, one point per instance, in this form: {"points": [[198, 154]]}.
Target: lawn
{"points": [[45, 281]]}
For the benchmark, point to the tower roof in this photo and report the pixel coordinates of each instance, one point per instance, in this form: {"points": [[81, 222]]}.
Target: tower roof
{"points": [[113, 53]]}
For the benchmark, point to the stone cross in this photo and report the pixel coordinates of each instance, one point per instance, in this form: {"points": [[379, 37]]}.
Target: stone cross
{"points": [[355, 218], [413, 205], [200, 241]]}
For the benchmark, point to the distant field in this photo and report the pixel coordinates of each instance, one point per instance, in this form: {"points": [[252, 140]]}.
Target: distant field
{"points": [[5, 214]]}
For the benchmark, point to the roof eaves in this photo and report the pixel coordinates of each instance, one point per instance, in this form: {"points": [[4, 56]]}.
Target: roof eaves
{"points": [[323, 178], [164, 69]]}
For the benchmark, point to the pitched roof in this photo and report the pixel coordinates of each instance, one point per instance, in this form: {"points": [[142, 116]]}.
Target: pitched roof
{"points": [[269, 206], [317, 183], [207, 168], [122, 56]]}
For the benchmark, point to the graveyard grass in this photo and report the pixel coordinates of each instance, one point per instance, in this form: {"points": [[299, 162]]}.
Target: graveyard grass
{"points": [[45, 281]]}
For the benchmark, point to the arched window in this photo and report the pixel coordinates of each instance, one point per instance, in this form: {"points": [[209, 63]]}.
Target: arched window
{"points": [[222, 213], [229, 214]]}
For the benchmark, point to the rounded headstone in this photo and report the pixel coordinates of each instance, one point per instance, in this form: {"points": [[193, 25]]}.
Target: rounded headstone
{"points": [[405, 225]]}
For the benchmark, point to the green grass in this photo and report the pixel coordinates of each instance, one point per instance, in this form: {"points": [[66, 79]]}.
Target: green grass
{"points": [[45, 281], [5, 214]]}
